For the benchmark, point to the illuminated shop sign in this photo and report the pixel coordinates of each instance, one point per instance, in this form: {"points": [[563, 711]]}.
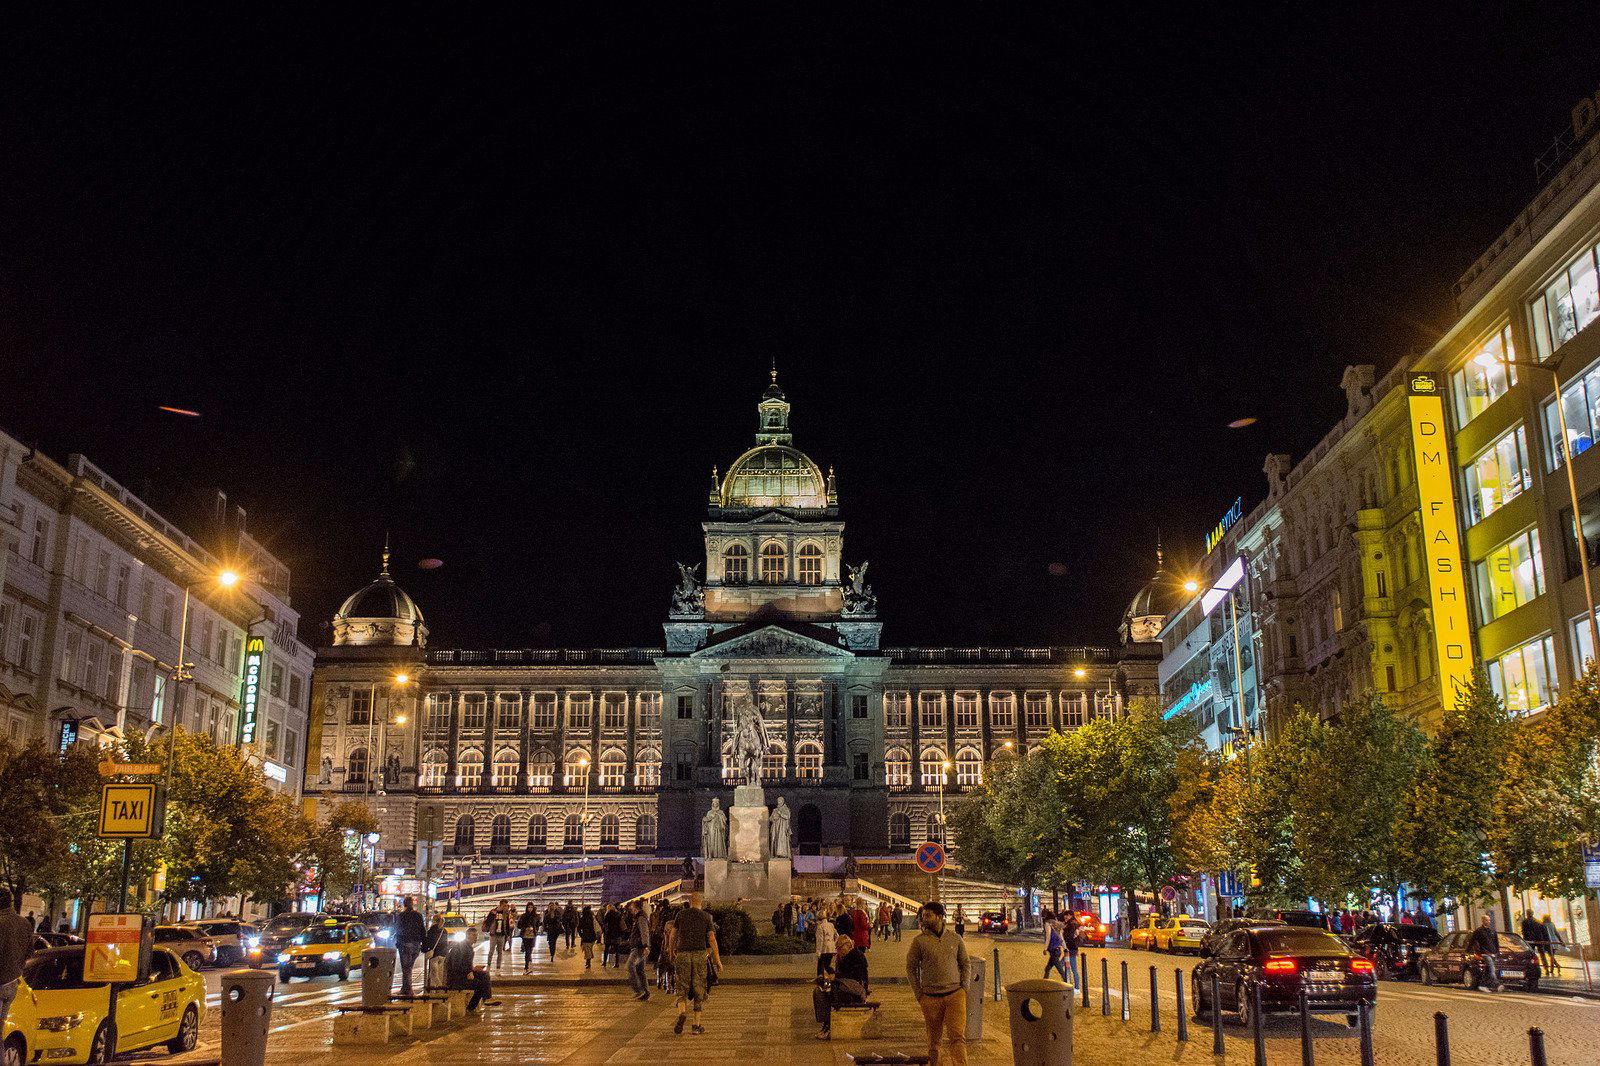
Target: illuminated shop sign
{"points": [[1441, 537], [254, 651], [1235, 513]]}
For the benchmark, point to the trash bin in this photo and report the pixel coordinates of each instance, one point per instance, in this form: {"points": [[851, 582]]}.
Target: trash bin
{"points": [[976, 968], [1041, 1023], [377, 976], [246, 1016]]}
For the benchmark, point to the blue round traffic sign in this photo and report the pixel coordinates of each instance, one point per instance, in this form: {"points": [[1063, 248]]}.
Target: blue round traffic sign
{"points": [[930, 857]]}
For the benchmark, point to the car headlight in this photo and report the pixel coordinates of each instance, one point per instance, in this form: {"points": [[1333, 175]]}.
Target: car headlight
{"points": [[459, 936], [252, 942], [332, 954], [382, 934], [61, 1022], [283, 957]]}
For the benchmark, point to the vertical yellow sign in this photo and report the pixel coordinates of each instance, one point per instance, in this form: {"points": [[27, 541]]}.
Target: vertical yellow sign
{"points": [[1441, 537]]}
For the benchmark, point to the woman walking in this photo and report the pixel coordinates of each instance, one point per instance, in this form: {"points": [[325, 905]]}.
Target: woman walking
{"points": [[528, 930], [827, 946], [1054, 945], [587, 935], [552, 928]]}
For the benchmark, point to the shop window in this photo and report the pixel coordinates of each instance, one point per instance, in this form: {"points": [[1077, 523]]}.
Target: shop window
{"points": [[1509, 576], [1524, 677]]}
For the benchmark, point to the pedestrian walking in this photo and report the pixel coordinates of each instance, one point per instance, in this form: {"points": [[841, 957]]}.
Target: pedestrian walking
{"points": [[498, 924], [897, 917], [588, 933], [435, 946], [637, 940], [16, 944], [528, 929], [1071, 940], [826, 946], [693, 947], [1054, 947], [409, 931], [961, 921], [612, 928], [849, 987], [569, 923], [937, 965], [1551, 941], [552, 928], [662, 935], [860, 927]]}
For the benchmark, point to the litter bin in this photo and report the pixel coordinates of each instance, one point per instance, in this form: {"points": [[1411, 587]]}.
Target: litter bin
{"points": [[246, 1016], [377, 976], [976, 969], [1041, 1023]]}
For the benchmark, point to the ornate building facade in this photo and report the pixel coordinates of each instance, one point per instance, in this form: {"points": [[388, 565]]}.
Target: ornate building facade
{"points": [[517, 758]]}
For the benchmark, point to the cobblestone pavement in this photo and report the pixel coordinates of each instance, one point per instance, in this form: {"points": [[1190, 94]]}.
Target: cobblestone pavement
{"points": [[763, 1013]]}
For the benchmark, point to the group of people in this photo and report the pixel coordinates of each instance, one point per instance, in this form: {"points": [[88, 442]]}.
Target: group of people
{"points": [[1543, 937]]}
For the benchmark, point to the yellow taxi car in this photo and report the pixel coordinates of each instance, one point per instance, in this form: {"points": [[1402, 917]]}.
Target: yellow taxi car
{"points": [[57, 1017], [1143, 935], [328, 946], [456, 926], [1183, 933]]}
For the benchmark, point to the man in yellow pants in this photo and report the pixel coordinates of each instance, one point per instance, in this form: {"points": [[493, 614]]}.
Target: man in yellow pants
{"points": [[937, 966]]}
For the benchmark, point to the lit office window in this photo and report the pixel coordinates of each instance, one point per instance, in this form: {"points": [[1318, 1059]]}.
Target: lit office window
{"points": [[1483, 380], [897, 709], [1509, 576], [1569, 303], [1579, 398], [1499, 475], [897, 768], [1524, 677]]}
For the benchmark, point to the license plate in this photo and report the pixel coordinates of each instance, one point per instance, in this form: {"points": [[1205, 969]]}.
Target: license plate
{"points": [[1510, 973], [306, 963]]}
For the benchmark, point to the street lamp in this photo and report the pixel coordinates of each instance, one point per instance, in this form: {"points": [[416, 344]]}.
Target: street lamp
{"points": [[583, 835], [227, 579], [944, 775], [400, 681], [1572, 485]]}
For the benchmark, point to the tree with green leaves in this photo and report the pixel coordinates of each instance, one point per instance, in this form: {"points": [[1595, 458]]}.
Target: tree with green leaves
{"points": [[49, 811], [330, 849]]}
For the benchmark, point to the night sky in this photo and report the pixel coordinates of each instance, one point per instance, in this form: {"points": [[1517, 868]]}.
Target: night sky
{"points": [[510, 283]]}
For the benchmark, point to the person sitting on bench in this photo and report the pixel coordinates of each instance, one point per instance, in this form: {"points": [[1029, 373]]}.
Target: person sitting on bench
{"points": [[847, 987], [460, 973]]}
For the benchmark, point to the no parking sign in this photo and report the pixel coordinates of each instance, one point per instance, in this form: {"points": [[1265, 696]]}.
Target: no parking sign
{"points": [[930, 857]]}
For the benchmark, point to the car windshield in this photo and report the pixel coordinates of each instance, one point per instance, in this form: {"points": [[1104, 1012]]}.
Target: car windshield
{"points": [[1192, 923], [1295, 941], [1512, 942], [54, 971], [289, 923]]}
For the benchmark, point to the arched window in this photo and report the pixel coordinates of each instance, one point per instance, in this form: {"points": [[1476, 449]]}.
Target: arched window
{"points": [[433, 768], [935, 830], [536, 831], [469, 770], [573, 836], [897, 768], [647, 769], [464, 833], [613, 769], [500, 833], [808, 761], [356, 767], [731, 775], [933, 771], [576, 768], [899, 830], [610, 831], [736, 565], [773, 559], [810, 565], [644, 833], [542, 769], [505, 769], [772, 764], [969, 768]]}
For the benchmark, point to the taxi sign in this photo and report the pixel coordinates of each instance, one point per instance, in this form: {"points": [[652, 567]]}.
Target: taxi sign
{"points": [[129, 812], [930, 857], [111, 949], [129, 769]]}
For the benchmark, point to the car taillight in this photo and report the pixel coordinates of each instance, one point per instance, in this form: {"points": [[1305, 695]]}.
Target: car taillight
{"points": [[1279, 966], [1362, 966]]}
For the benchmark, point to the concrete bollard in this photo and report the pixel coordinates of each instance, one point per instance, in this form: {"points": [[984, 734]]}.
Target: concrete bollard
{"points": [[246, 1016], [1041, 1023], [377, 976], [975, 975]]}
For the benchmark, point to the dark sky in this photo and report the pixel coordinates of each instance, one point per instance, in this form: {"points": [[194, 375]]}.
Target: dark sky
{"points": [[509, 283]]}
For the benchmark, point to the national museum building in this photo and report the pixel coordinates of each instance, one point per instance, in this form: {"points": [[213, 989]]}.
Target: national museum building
{"points": [[516, 758]]}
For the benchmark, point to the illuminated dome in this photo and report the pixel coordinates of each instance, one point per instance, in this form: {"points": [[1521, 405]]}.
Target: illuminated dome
{"points": [[380, 613], [1151, 606], [774, 475]]}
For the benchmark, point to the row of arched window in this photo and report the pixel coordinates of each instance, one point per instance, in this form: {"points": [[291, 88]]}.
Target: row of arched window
{"points": [[773, 563], [612, 770], [537, 834], [807, 763], [900, 829], [968, 768]]}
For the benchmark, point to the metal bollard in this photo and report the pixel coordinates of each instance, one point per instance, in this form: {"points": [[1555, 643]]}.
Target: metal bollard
{"points": [[1536, 1046], [1216, 1014], [1441, 1038], [1258, 1028], [1083, 974], [997, 975], [1155, 1003], [1105, 987], [1041, 1023], [377, 976], [1364, 1019], [1124, 989], [246, 1016], [975, 1000], [1183, 1014], [1308, 1055]]}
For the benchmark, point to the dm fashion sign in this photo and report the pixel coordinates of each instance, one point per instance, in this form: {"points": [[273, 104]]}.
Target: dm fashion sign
{"points": [[1441, 538]]}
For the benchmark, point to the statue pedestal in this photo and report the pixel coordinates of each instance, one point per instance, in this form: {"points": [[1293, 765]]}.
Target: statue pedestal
{"points": [[749, 873], [747, 834]]}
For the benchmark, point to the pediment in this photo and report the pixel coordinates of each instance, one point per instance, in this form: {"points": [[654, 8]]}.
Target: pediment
{"points": [[774, 518], [772, 642]]}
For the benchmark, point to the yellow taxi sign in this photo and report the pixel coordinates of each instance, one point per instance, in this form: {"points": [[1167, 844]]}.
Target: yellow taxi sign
{"points": [[129, 769], [129, 812], [111, 949]]}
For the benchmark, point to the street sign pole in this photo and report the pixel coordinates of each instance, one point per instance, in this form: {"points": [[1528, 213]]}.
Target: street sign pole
{"points": [[127, 862]]}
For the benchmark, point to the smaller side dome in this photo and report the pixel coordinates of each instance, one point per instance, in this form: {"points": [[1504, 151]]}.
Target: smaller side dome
{"points": [[1151, 606], [380, 613]]}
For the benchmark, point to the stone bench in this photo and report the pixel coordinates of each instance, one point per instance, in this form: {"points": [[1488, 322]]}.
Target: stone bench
{"points": [[854, 1023]]}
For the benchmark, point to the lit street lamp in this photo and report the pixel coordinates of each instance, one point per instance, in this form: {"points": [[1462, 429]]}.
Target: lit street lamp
{"points": [[226, 579], [583, 836], [401, 680]]}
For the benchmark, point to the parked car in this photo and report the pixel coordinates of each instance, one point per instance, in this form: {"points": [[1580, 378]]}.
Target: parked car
{"points": [[1280, 962], [1396, 949], [189, 944], [1182, 933], [46, 939], [229, 937], [57, 1017], [1091, 930], [1143, 936], [993, 922], [1451, 962], [1221, 929]]}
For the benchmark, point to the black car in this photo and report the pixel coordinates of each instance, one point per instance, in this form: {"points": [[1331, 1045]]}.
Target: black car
{"points": [[1280, 963], [1451, 961], [1228, 925], [1304, 919], [276, 934], [1395, 949]]}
